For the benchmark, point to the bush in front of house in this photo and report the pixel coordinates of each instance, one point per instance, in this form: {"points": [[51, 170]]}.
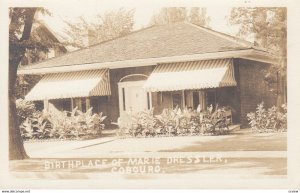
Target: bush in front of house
{"points": [[76, 124], [173, 122], [273, 119], [32, 122], [59, 125]]}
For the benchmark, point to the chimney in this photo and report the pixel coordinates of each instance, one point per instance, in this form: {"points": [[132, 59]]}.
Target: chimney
{"points": [[92, 37]]}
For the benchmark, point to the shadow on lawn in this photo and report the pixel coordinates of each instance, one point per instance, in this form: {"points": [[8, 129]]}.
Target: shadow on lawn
{"points": [[240, 142]]}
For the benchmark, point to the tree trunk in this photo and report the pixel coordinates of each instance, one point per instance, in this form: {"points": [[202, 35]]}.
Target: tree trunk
{"points": [[16, 53], [16, 147]]}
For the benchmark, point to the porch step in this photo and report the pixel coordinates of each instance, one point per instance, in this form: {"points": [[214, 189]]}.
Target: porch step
{"points": [[234, 127]]}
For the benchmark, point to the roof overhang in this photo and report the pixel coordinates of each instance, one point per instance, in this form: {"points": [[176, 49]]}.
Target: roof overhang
{"points": [[250, 54]]}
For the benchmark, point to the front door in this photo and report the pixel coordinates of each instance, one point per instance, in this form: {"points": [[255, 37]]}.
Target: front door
{"points": [[132, 97]]}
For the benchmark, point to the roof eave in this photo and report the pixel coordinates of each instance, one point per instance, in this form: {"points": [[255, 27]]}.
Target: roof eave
{"points": [[251, 54]]}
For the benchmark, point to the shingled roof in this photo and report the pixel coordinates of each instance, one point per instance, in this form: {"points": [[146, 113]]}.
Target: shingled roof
{"points": [[152, 42]]}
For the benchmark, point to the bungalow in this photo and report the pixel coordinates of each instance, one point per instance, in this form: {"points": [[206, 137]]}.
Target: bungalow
{"points": [[162, 66]]}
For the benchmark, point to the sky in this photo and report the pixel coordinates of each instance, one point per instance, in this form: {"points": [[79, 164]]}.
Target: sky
{"points": [[143, 14]]}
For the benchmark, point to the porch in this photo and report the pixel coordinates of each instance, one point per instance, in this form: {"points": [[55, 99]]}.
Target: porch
{"points": [[194, 86]]}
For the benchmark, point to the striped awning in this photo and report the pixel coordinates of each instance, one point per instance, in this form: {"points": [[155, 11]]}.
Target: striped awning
{"points": [[71, 85], [191, 75]]}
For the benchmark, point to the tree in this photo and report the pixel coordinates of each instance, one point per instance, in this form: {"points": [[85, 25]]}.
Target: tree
{"points": [[21, 21], [269, 29], [107, 26], [195, 15]]}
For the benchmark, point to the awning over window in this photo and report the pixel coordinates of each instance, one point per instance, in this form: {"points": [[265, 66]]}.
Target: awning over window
{"points": [[71, 85], [191, 75]]}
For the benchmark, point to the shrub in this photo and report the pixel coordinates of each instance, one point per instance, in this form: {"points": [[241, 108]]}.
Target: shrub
{"points": [[76, 124], [171, 122], [268, 120], [36, 127], [62, 125], [32, 122]]}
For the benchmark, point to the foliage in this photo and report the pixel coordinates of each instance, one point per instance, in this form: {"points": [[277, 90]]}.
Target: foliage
{"points": [[195, 15], [268, 25], [62, 125], [29, 81], [173, 122], [36, 127], [107, 26], [25, 109], [76, 123], [268, 120]]}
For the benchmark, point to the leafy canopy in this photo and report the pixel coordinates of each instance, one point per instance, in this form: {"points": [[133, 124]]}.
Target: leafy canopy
{"points": [[106, 26], [195, 15]]}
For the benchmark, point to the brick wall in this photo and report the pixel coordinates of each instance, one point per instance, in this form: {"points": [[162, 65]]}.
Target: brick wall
{"points": [[252, 88]]}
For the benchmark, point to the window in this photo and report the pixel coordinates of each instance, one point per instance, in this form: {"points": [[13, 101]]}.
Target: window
{"points": [[61, 104], [24, 90], [211, 98], [177, 100], [148, 100], [82, 103], [195, 99], [51, 53]]}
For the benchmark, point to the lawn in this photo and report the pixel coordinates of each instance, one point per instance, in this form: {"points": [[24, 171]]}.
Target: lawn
{"points": [[242, 154], [239, 141]]}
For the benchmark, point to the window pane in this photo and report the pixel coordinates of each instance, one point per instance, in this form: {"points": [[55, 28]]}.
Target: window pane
{"points": [[195, 99], [148, 100], [177, 100], [83, 104], [211, 98]]}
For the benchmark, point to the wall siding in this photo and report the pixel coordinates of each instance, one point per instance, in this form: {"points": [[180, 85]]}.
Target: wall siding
{"points": [[228, 96], [252, 88]]}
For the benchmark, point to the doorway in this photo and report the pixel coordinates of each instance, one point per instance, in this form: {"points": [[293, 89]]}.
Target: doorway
{"points": [[132, 97]]}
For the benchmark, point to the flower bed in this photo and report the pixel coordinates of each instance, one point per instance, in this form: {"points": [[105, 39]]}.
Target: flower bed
{"points": [[60, 125], [264, 120], [174, 122]]}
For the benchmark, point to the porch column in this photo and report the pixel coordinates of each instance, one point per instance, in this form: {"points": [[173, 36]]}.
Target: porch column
{"points": [[46, 105], [202, 100], [87, 103], [72, 104], [79, 104], [183, 100]]}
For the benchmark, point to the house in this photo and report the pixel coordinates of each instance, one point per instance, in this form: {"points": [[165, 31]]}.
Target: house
{"points": [[40, 33], [162, 66]]}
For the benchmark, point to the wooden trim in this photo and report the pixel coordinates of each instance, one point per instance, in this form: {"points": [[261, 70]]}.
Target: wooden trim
{"points": [[183, 99], [223, 35], [130, 75]]}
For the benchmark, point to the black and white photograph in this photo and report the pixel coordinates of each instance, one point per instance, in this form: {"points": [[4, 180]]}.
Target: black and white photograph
{"points": [[162, 94]]}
